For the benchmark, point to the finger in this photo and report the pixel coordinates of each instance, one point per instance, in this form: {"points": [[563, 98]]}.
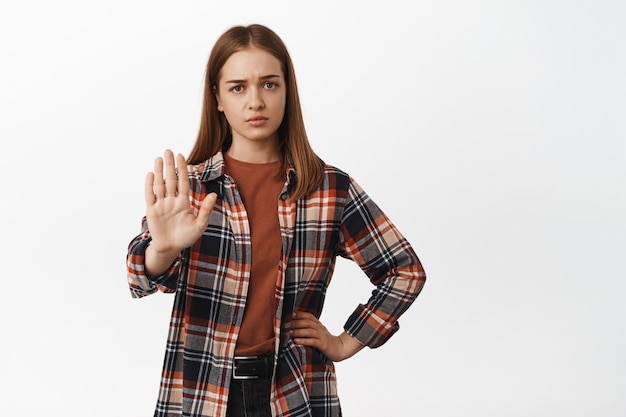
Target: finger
{"points": [[303, 319], [205, 209], [303, 324], [157, 183], [149, 189], [305, 332], [171, 181], [307, 341], [303, 315], [183, 178]]}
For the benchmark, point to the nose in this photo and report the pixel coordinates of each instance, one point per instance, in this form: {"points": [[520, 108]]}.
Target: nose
{"points": [[256, 101]]}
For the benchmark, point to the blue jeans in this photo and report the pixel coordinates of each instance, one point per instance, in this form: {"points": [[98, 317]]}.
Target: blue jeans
{"points": [[249, 398]]}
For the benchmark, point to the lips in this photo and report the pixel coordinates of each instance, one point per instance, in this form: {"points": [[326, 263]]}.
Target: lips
{"points": [[257, 121]]}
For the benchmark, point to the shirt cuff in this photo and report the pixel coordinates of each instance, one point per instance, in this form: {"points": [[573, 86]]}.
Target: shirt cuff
{"points": [[370, 328], [142, 285]]}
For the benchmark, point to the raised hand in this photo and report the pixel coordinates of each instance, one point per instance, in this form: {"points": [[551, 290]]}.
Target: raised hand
{"points": [[172, 222]]}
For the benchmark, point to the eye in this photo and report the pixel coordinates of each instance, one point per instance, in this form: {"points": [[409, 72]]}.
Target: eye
{"points": [[270, 85], [237, 89]]}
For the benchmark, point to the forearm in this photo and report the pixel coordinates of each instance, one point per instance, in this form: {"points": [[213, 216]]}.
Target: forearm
{"points": [[387, 259]]}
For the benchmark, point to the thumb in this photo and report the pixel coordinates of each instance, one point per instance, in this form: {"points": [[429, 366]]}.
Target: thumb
{"points": [[205, 209]]}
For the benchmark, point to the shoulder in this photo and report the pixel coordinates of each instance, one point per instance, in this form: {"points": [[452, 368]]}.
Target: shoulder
{"points": [[331, 171], [343, 182], [335, 179]]}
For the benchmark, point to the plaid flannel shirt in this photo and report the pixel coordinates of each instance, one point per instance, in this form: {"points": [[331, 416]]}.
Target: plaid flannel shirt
{"points": [[211, 278]]}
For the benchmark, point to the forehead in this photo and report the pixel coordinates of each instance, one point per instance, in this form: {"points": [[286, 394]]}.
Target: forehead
{"points": [[248, 63]]}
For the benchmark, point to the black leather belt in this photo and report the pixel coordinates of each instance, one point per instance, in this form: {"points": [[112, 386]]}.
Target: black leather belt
{"points": [[253, 367]]}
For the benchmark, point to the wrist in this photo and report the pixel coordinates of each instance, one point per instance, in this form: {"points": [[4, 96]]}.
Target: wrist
{"points": [[157, 261], [349, 345], [160, 252]]}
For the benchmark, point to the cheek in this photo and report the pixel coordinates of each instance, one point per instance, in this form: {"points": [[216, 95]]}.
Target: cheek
{"points": [[281, 104], [229, 109]]}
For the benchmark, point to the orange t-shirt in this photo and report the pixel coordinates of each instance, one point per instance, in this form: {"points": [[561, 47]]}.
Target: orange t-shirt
{"points": [[259, 188]]}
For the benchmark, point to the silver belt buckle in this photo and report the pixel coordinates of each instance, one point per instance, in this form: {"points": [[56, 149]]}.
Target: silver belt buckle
{"points": [[235, 376]]}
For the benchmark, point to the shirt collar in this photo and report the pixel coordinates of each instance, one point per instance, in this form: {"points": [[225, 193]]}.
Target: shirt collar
{"points": [[213, 168]]}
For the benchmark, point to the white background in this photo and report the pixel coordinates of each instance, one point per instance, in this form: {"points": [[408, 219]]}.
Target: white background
{"points": [[491, 132]]}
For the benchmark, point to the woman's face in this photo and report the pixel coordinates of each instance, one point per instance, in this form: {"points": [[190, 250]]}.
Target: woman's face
{"points": [[252, 94]]}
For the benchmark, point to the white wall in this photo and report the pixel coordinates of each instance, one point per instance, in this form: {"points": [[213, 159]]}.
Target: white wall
{"points": [[491, 132]]}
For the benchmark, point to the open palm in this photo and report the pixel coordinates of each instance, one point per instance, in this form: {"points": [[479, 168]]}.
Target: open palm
{"points": [[172, 222]]}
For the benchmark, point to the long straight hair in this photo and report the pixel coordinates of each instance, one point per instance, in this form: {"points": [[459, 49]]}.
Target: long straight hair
{"points": [[214, 133]]}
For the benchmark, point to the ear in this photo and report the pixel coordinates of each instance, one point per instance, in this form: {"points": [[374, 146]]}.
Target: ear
{"points": [[217, 98]]}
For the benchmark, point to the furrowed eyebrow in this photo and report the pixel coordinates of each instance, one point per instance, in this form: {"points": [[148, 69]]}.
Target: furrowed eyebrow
{"points": [[265, 77]]}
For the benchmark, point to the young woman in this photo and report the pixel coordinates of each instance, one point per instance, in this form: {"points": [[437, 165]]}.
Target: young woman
{"points": [[246, 233]]}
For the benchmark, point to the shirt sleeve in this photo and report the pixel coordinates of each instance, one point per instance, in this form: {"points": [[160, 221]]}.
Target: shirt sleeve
{"points": [[140, 284], [371, 240]]}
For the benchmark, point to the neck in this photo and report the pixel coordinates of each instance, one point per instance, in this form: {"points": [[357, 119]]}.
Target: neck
{"points": [[255, 153]]}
